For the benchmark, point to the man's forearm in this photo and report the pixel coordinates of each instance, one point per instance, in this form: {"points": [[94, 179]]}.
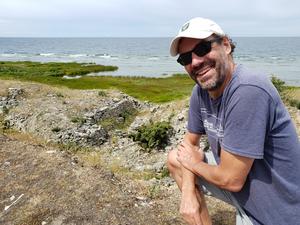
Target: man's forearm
{"points": [[213, 174]]}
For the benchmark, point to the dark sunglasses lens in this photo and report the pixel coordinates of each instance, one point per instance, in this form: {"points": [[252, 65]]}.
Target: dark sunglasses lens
{"points": [[185, 58], [202, 49]]}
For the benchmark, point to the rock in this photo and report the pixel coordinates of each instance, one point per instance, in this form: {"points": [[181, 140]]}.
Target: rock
{"points": [[181, 117], [153, 110], [159, 166], [141, 198], [6, 164], [84, 135], [120, 120], [10, 100], [13, 93], [75, 159], [115, 100]]}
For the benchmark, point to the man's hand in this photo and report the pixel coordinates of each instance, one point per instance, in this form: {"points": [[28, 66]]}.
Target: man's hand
{"points": [[190, 208], [189, 155]]}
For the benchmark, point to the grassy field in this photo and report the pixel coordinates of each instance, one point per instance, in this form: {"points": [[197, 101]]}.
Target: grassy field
{"points": [[148, 89], [156, 90]]}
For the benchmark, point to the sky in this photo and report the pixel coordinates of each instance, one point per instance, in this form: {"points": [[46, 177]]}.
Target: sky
{"points": [[145, 18]]}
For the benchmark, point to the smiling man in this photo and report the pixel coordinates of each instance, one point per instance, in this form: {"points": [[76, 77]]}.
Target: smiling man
{"points": [[254, 161]]}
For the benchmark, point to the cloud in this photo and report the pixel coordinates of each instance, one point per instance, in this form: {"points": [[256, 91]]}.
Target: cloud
{"points": [[144, 17]]}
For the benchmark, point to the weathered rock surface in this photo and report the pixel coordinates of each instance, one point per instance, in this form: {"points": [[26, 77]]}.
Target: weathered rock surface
{"points": [[75, 118]]}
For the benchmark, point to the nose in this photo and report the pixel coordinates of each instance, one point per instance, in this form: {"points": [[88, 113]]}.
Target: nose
{"points": [[196, 60]]}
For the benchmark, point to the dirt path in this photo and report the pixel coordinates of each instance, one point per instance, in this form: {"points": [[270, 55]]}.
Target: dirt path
{"points": [[43, 185], [55, 190]]}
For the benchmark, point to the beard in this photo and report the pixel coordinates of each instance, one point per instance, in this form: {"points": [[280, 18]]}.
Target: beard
{"points": [[216, 80]]}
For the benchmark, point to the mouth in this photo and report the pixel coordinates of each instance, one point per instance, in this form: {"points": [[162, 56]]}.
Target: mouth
{"points": [[201, 73]]}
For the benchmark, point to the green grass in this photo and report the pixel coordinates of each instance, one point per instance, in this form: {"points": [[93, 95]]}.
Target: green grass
{"points": [[289, 94], [292, 96], [147, 89], [27, 69]]}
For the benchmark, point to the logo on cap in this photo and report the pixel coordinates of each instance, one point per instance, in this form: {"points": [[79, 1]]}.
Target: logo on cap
{"points": [[184, 27]]}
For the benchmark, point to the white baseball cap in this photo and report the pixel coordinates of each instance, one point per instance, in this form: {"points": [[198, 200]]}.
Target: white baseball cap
{"points": [[199, 28]]}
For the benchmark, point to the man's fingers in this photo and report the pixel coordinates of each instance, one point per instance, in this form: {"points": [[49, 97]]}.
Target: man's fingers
{"points": [[184, 143], [192, 220], [197, 220]]}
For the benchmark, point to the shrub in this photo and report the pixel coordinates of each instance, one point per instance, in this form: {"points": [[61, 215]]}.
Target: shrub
{"points": [[153, 135], [102, 93], [279, 84], [294, 103]]}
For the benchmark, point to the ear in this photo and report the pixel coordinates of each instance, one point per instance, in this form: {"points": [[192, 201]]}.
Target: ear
{"points": [[227, 46]]}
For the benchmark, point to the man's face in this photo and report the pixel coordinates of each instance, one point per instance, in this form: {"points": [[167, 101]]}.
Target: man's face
{"points": [[210, 70]]}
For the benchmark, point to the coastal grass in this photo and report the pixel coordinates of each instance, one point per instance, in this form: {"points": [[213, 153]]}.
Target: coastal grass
{"points": [[289, 94], [156, 90], [28, 69], [292, 96]]}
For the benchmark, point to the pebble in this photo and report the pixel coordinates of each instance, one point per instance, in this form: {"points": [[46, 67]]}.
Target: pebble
{"points": [[6, 164]]}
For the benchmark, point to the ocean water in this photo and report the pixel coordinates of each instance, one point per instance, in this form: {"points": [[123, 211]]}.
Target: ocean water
{"points": [[150, 56]]}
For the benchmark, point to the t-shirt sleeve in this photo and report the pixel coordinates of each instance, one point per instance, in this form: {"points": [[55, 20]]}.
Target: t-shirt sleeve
{"points": [[195, 123], [246, 121]]}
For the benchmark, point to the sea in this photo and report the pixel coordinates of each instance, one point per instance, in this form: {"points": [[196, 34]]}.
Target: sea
{"points": [[149, 57]]}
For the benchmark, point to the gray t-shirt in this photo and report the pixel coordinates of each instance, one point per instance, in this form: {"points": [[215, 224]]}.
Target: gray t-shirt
{"points": [[250, 120]]}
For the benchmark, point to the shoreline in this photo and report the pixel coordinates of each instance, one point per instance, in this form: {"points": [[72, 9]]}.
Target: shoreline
{"points": [[150, 56], [157, 90]]}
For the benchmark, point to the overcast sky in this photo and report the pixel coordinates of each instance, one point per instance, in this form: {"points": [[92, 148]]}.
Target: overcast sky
{"points": [[145, 18]]}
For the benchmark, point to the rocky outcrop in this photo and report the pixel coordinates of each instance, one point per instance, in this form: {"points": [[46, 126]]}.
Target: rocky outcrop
{"points": [[83, 135], [76, 118], [50, 118], [11, 100]]}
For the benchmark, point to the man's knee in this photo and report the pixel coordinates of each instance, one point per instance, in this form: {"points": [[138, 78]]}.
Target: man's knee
{"points": [[172, 162]]}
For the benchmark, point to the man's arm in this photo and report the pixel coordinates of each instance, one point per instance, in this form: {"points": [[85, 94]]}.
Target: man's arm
{"points": [[190, 205], [230, 174], [188, 177]]}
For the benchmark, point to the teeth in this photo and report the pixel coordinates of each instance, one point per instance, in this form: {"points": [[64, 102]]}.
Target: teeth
{"points": [[203, 71]]}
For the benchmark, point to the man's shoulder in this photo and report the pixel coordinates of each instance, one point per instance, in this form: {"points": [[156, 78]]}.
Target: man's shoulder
{"points": [[244, 77]]}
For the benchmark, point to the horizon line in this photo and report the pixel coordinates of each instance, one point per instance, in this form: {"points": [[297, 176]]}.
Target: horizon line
{"points": [[242, 36]]}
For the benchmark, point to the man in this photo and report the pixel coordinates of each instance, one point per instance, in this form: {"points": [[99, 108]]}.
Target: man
{"points": [[254, 163]]}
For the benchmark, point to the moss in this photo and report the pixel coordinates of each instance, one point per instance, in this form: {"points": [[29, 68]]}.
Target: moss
{"points": [[73, 148], [77, 119], [122, 122]]}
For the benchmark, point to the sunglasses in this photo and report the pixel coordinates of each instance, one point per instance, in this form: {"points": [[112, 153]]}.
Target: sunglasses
{"points": [[200, 50]]}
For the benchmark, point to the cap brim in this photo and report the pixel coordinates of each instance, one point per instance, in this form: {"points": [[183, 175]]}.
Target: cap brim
{"points": [[175, 41]]}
